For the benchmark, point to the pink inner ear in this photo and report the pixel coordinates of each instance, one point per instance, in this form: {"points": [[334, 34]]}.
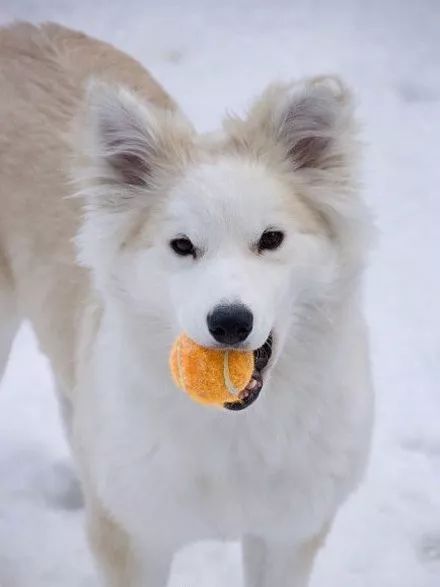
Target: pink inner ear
{"points": [[307, 152], [132, 168], [307, 128]]}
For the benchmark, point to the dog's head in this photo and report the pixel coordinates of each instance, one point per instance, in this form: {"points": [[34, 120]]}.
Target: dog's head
{"points": [[230, 237]]}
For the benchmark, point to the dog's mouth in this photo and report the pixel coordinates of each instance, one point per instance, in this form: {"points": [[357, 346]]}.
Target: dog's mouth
{"points": [[249, 394]]}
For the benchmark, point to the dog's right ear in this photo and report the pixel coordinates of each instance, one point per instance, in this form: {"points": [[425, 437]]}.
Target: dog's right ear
{"points": [[127, 146], [126, 153]]}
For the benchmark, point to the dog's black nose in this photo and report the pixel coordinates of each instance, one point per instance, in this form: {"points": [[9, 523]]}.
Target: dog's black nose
{"points": [[230, 324]]}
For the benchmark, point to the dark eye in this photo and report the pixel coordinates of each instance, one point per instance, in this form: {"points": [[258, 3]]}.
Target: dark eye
{"points": [[183, 246], [270, 240]]}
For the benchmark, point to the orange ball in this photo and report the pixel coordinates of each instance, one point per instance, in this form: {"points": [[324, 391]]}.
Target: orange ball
{"points": [[210, 376]]}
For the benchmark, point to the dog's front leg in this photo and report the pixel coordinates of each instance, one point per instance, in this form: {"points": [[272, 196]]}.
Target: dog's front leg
{"points": [[118, 562], [283, 563]]}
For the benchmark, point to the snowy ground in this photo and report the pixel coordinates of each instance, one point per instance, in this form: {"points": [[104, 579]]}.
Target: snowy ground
{"points": [[212, 55]]}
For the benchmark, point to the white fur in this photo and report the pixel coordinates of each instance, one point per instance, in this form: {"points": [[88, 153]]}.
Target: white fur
{"points": [[171, 471], [157, 469]]}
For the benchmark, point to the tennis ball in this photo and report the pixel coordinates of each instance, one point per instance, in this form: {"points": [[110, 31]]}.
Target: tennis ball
{"points": [[210, 376]]}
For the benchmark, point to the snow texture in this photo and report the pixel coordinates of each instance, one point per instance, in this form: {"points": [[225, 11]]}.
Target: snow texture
{"points": [[214, 55]]}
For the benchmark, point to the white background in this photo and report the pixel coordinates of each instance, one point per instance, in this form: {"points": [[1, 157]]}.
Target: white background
{"points": [[217, 55]]}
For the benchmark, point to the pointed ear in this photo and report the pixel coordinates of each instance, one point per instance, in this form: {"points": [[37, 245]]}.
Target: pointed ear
{"points": [[308, 121], [127, 145], [307, 129]]}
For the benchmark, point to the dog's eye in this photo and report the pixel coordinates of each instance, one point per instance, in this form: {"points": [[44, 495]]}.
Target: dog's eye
{"points": [[270, 240], [183, 246]]}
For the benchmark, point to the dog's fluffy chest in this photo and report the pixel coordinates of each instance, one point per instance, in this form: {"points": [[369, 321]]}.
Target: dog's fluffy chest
{"points": [[211, 473]]}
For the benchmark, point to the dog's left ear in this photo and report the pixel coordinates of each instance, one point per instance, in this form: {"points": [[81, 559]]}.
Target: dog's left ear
{"points": [[309, 122], [307, 129], [313, 121]]}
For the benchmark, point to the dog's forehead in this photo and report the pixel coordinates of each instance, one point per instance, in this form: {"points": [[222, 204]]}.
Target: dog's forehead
{"points": [[229, 191]]}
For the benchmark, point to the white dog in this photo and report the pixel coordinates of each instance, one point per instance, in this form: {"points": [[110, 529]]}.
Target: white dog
{"points": [[253, 238]]}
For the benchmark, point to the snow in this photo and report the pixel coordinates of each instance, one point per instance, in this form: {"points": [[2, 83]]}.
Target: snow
{"points": [[211, 56]]}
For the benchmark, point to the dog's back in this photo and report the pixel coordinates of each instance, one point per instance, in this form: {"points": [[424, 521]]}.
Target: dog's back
{"points": [[43, 74]]}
